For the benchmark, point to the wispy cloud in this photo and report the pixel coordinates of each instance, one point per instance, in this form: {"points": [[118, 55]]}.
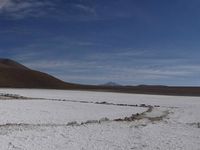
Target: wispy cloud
{"points": [[93, 72], [85, 8], [88, 70], [62, 10], [125, 65], [19, 9], [80, 63]]}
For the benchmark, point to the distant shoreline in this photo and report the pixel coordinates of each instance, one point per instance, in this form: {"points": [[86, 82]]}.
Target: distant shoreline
{"points": [[165, 91]]}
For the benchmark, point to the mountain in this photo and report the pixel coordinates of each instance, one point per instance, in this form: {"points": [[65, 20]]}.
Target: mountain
{"points": [[8, 63], [16, 75], [111, 84]]}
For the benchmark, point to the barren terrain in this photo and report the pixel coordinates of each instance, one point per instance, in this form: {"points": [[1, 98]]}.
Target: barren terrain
{"points": [[60, 119]]}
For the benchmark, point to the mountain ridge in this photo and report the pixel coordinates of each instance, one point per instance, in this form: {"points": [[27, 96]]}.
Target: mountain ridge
{"points": [[16, 75]]}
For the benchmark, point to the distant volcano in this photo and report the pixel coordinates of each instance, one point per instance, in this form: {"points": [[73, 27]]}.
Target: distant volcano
{"points": [[16, 75], [111, 84]]}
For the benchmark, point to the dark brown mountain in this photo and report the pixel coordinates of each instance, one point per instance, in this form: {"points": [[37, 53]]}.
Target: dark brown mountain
{"points": [[16, 75]]}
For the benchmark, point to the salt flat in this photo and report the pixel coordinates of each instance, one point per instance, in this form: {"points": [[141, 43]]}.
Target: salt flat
{"points": [[45, 120]]}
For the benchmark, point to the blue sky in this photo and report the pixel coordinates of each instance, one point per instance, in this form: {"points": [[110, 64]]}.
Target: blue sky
{"points": [[96, 41]]}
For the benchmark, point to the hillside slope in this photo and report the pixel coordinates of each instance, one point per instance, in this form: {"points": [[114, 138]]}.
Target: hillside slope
{"points": [[15, 75]]}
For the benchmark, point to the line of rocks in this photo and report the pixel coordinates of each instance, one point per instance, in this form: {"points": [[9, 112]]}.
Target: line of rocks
{"points": [[136, 116], [16, 96], [133, 117], [11, 96]]}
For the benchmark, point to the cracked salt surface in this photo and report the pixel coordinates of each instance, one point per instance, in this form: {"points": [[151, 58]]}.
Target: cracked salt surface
{"points": [[176, 130]]}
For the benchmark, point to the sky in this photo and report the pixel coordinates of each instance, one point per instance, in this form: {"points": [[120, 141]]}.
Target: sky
{"points": [[130, 42]]}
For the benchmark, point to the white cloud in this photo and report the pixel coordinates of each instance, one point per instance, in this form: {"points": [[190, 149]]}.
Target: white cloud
{"points": [[85, 8], [101, 70], [22, 8], [19, 9], [130, 66]]}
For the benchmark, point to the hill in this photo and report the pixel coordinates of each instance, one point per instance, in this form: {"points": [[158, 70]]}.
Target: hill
{"points": [[15, 75], [112, 84]]}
